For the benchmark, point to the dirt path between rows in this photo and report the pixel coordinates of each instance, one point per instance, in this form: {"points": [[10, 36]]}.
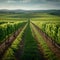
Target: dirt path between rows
{"points": [[20, 51], [40, 49], [51, 45], [5, 45]]}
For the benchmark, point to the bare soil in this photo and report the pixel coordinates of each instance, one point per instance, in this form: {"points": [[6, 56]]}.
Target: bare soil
{"points": [[6, 44], [49, 42]]}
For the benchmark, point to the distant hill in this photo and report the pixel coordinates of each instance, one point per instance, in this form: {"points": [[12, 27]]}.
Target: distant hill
{"points": [[57, 12], [12, 11], [53, 12]]}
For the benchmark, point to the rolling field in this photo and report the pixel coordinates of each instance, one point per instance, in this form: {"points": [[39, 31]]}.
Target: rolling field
{"points": [[29, 36]]}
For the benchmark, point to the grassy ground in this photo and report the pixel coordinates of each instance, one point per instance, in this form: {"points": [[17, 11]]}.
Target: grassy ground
{"points": [[30, 51]]}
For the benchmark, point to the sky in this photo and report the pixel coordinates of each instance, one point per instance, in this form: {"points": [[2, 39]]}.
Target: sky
{"points": [[29, 4]]}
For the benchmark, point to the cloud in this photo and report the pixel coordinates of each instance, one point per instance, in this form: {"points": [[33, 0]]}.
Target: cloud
{"points": [[31, 4], [53, 0], [14, 1]]}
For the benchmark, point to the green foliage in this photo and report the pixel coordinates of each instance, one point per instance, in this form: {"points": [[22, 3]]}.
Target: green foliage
{"points": [[9, 28], [9, 55], [52, 29], [46, 50]]}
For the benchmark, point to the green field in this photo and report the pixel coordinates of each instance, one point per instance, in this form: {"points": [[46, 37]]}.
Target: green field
{"points": [[29, 36]]}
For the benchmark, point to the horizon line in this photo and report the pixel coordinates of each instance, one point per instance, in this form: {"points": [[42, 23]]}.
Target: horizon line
{"points": [[29, 9]]}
